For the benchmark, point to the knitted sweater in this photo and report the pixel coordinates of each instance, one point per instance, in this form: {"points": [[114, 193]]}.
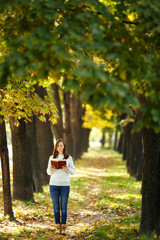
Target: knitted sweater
{"points": [[60, 177]]}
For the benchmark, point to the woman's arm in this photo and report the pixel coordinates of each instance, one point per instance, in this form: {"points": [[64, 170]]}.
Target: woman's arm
{"points": [[50, 169], [71, 166]]}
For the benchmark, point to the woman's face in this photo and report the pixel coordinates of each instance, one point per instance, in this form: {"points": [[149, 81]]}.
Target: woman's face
{"points": [[60, 147]]}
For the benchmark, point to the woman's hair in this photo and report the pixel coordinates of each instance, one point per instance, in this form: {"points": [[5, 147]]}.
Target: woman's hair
{"points": [[55, 152]]}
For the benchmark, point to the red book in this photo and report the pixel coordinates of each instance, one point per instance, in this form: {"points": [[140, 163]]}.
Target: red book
{"points": [[58, 164]]}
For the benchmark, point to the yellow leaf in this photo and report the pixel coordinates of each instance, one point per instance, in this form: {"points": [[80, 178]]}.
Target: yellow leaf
{"points": [[131, 17]]}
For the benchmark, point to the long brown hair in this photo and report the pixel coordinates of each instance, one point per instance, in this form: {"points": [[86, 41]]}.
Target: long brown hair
{"points": [[55, 152]]}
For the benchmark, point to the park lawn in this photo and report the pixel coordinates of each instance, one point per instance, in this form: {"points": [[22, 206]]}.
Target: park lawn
{"points": [[104, 203]]}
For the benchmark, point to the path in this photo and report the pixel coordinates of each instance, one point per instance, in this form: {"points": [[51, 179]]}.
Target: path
{"points": [[87, 202], [87, 216]]}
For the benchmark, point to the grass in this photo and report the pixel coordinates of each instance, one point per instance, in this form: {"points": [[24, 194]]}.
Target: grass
{"points": [[104, 203]]}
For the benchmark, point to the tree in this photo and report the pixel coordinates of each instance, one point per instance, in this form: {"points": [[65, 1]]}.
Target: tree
{"points": [[58, 126], [22, 170], [67, 133], [44, 139], [32, 151], [115, 140], [5, 168], [151, 178], [5, 172], [136, 151]]}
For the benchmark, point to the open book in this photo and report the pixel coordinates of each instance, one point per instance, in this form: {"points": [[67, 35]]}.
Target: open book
{"points": [[58, 163]]}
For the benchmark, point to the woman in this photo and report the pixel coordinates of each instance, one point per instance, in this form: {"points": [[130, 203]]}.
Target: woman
{"points": [[60, 183]]}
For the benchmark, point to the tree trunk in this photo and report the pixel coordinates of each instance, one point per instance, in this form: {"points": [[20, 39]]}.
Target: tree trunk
{"points": [[110, 140], [22, 169], [45, 147], [76, 124], [85, 139], [34, 155], [150, 215], [122, 140], [115, 140], [120, 144], [103, 140], [67, 126], [136, 153], [139, 170], [127, 140], [124, 150], [58, 127], [44, 140], [5, 172]]}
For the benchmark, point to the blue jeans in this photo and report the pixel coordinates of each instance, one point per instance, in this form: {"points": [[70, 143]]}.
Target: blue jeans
{"points": [[59, 195]]}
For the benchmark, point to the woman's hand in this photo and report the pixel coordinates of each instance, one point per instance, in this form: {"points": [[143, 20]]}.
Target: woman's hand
{"points": [[51, 168], [65, 168]]}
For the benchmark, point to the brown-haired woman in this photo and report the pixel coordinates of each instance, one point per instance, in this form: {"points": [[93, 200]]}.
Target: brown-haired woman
{"points": [[60, 183]]}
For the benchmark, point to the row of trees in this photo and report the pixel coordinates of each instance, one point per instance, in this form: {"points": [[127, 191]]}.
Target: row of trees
{"points": [[110, 57], [33, 142], [130, 145]]}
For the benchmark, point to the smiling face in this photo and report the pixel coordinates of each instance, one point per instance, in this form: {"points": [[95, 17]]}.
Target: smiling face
{"points": [[60, 147]]}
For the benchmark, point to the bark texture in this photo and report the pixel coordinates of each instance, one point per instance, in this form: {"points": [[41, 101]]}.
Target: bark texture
{"points": [[127, 133], [58, 127], [85, 139], [136, 153], [120, 144], [67, 126], [77, 112], [150, 215], [115, 140], [5, 172], [22, 168], [34, 155], [45, 147], [44, 140]]}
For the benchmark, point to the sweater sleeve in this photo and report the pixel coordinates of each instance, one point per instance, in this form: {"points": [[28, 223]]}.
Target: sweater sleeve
{"points": [[71, 166], [49, 172]]}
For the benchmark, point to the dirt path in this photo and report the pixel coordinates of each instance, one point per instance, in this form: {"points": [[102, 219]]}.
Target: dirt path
{"points": [[86, 217]]}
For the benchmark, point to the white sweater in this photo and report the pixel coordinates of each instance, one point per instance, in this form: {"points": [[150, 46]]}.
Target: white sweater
{"points": [[60, 177]]}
